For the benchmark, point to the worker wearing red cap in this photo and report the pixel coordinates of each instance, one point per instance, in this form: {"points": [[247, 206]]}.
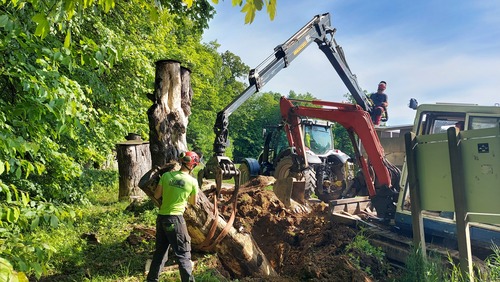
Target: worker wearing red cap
{"points": [[380, 103], [176, 188]]}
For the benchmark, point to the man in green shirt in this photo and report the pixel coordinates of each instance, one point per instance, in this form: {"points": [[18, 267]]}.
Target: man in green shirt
{"points": [[176, 188]]}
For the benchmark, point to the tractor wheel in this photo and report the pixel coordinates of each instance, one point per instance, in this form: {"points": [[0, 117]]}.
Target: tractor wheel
{"points": [[282, 171], [244, 173], [330, 175]]}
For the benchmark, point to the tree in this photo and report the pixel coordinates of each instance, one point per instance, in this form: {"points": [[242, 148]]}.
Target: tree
{"points": [[72, 83]]}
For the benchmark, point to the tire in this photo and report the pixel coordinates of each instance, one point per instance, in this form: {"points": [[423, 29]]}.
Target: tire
{"points": [[282, 171], [244, 173], [332, 173], [249, 169]]}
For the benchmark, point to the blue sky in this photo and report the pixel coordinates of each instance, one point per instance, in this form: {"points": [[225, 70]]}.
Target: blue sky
{"points": [[434, 51]]}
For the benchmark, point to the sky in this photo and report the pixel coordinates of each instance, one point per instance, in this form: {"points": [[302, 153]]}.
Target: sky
{"points": [[445, 51]]}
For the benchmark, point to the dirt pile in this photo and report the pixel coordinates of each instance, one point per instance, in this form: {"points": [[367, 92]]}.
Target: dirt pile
{"points": [[302, 247]]}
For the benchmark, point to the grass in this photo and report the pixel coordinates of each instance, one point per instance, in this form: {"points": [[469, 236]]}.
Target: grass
{"points": [[112, 258]]}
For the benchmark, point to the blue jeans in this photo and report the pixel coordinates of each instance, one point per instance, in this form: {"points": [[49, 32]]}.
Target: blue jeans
{"points": [[171, 231]]}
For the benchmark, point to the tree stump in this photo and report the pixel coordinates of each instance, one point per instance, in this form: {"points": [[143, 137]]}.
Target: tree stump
{"points": [[168, 116], [134, 161]]}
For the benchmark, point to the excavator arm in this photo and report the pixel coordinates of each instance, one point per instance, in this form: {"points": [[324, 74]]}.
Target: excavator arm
{"points": [[354, 118]]}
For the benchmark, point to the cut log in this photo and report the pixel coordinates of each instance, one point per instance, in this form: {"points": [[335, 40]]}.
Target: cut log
{"points": [[237, 251]]}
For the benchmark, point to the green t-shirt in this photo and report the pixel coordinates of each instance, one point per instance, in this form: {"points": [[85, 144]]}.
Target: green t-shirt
{"points": [[177, 187]]}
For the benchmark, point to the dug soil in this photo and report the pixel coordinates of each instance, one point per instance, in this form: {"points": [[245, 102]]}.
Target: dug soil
{"points": [[304, 247]]}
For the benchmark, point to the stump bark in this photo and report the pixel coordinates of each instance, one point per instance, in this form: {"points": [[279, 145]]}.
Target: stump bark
{"points": [[168, 120]]}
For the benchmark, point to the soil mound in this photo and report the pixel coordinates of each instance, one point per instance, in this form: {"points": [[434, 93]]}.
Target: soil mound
{"points": [[302, 247]]}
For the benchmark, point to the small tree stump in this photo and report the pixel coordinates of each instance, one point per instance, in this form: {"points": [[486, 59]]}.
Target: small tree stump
{"points": [[134, 160]]}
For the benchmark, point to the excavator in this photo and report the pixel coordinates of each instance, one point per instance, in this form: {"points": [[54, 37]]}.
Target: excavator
{"points": [[380, 177]]}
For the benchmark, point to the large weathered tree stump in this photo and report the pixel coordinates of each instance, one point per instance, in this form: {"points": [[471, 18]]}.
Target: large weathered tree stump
{"points": [[134, 161], [168, 116]]}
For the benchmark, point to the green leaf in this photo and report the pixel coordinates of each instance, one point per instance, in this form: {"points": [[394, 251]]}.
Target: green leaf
{"points": [[4, 20], [2, 168], [271, 9], [35, 222], [38, 269], [67, 39], [54, 221], [42, 28], [25, 199], [189, 3], [258, 4], [13, 214], [6, 270], [21, 277], [70, 8], [249, 9], [108, 5], [62, 129], [99, 56], [40, 168]]}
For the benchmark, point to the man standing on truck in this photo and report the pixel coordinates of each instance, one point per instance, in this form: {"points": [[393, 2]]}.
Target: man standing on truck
{"points": [[380, 103], [175, 188]]}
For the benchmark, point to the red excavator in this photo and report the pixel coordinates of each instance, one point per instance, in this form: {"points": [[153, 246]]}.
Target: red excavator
{"points": [[380, 177]]}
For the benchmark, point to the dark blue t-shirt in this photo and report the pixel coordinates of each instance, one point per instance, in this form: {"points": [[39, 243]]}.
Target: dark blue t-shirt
{"points": [[378, 99]]}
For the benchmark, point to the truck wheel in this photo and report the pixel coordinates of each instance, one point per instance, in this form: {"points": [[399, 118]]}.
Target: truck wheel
{"points": [[282, 171]]}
